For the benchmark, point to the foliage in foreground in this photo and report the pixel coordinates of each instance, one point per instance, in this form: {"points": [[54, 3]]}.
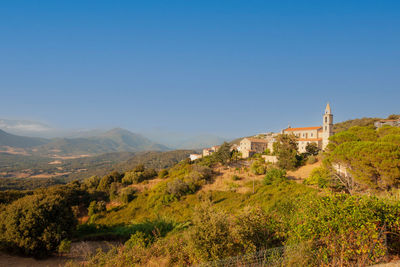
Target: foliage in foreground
{"points": [[329, 230], [345, 230], [35, 225]]}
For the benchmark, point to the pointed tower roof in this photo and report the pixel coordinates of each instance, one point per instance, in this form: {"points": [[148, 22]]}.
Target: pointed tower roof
{"points": [[328, 109]]}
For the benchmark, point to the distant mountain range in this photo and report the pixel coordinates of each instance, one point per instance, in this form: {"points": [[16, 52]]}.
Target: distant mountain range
{"points": [[115, 140], [7, 139], [95, 139]]}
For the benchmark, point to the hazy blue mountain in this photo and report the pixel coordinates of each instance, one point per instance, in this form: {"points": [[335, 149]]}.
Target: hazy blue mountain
{"points": [[7, 139], [115, 140], [125, 140]]}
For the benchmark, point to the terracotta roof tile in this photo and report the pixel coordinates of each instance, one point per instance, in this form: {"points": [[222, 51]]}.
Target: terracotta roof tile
{"points": [[309, 139], [302, 129]]}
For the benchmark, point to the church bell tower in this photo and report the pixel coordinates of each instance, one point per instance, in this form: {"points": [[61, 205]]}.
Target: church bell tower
{"points": [[327, 129]]}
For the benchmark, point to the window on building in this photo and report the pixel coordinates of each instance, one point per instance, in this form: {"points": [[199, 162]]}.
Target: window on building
{"points": [[326, 119]]}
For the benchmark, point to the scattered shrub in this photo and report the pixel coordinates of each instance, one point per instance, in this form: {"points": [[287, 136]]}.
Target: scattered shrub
{"points": [[138, 239], [127, 194], [235, 177], [258, 167], [178, 188], [275, 175]]}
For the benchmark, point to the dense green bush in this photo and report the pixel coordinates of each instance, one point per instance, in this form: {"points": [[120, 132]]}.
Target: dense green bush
{"points": [[275, 175], [96, 207], [6, 197], [319, 176], [179, 188], [135, 177], [35, 225], [92, 182], [312, 149], [127, 194], [105, 183], [345, 230], [216, 234], [258, 166], [138, 239]]}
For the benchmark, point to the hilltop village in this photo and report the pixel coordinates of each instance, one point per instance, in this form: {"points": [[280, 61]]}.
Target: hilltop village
{"points": [[261, 143]]}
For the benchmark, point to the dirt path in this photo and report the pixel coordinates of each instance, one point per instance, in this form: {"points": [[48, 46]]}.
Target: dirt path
{"points": [[303, 172]]}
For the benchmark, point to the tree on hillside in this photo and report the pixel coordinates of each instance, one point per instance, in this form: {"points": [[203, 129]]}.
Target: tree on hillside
{"points": [[312, 149], [223, 155], [35, 225], [370, 164], [285, 148], [367, 133], [341, 138]]}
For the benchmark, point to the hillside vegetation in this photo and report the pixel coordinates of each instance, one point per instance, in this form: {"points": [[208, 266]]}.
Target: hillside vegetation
{"points": [[345, 125], [193, 213], [17, 170]]}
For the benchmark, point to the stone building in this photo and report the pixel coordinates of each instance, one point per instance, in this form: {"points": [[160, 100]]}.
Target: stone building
{"points": [[193, 157], [381, 123], [250, 146], [208, 151], [318, 134]]}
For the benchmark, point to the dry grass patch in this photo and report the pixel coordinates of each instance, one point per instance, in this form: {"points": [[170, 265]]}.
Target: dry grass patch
{"points": [[224, 181]]}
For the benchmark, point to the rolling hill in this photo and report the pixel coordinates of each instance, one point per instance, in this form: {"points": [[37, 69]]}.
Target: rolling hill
{"points": [[11, 140], [115, 140]]}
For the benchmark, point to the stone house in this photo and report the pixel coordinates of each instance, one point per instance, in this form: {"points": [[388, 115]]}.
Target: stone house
{"points": [[195, 156], [381, 123], [250, 146]]}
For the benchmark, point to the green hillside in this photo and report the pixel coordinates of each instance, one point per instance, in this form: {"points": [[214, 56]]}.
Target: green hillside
{"points": [[11, 140], [345, 125], [79, 168]]}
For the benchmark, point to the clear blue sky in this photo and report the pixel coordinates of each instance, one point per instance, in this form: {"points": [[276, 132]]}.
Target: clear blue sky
{"points": [[226, 67]]}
